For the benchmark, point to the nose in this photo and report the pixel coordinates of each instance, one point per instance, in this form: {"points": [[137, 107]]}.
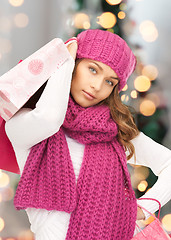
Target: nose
{"points": [[96, 84]]}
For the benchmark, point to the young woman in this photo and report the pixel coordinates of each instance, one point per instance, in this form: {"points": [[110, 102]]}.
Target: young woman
{"points": [[74, 146]]}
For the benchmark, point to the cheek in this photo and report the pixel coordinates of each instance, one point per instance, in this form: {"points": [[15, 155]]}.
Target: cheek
{"points": [[79, 81], [73, 86], [74, 80], [76, 84], [106, 93]]}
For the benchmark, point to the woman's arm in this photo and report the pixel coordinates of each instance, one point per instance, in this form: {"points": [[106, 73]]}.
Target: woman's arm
{"points": [[158, 159], [28, 127]]}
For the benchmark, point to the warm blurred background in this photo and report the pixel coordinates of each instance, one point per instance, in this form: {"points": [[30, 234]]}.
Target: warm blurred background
{"points": [[27, 25]]}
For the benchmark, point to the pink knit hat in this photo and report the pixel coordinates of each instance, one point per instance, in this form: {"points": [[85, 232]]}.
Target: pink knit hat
{"points": [[108, 48]]}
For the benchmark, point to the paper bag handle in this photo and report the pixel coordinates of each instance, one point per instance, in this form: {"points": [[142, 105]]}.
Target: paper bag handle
{"points": [[147, 210]]}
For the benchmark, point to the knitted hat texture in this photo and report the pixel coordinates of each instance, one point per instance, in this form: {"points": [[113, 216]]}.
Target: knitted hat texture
{"points": [[109, 49]]}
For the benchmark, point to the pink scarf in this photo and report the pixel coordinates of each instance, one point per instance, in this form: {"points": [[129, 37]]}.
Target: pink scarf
{"points": [[102, 203]]}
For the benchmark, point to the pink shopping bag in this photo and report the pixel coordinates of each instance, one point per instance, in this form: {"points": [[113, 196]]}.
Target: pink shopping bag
{"points": [[8, 160], [22, 81], [26, 81], [153, 231]]}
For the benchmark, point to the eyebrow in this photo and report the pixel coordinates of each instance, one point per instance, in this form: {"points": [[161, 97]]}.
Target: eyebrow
{"points": [[102, 70]]}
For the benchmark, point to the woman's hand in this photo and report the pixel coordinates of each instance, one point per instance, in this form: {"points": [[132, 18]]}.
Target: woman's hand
{"points": [[140, 214], [72, 48]]}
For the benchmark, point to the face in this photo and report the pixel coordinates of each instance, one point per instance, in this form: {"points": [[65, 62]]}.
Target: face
{"points": [[92, 82]]}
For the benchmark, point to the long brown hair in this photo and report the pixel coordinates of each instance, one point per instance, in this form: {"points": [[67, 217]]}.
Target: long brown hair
{"points": [[122, 115]]}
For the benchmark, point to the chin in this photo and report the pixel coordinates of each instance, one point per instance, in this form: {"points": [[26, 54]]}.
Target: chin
{"points": [[80, 100], [82, 103]]}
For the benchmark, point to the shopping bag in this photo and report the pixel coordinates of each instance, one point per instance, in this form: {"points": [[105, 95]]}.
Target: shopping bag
{"points": [[8, 160], [21, 82], [154, 230], [52, 56]]}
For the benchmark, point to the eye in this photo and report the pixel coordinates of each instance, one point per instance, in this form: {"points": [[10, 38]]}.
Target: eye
{"points": [[109, 82], [92, 70]]}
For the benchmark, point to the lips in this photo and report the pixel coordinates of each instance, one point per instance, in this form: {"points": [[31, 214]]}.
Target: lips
{"points": [[89, 95]]}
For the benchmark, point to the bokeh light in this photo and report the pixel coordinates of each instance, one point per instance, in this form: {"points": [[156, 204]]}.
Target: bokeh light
{"points": [[16, 3], [123, 6], [114, 2], [125, 98], [5, 24], [2, 224], [147, 108], [21, 20], [81, 20], [5, 45], [142, 186], [121, 15], [134, 94], [8, 194], [107, 20], [150, 71], [154, 98], [125, 88], [148, 31], [142, 83], [4, 180], [86, 25], [139, 175], [149, 220], [166, 221]]}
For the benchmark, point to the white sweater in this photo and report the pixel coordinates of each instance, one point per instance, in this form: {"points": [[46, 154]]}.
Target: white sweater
{"points": [[28, 127]]}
